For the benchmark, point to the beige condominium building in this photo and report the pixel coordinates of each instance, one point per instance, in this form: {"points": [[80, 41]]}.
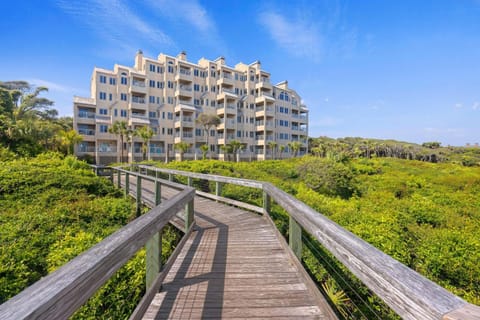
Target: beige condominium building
{"points": [[169, 93]]}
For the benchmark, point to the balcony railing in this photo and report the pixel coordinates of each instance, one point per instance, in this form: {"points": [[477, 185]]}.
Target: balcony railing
{"points": [[186, 72], [104, 149], [138, 83], [156, 150], [82, 148], [86, 114], [86, 132], [138, 99]]}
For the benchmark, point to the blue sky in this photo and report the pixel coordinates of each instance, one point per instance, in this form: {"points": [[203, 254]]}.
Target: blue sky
{"points": [[405, 70]]}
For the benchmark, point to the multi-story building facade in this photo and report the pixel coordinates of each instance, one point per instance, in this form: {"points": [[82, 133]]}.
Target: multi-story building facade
{"points": [[169, 93]]}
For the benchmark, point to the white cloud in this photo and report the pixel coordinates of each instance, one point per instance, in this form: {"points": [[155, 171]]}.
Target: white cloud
{"points": [[189, 11], [458, 106], [476, 105], [115, 21], [299, 37], [54, 86]]}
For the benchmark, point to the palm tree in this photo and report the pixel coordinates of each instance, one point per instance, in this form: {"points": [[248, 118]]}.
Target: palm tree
{"points": [[273, 146], [121, 129], [208, 121], [204, 149], [145, 133], [226, 149], [69, 139], [295, 147], [182, 147], [282, 150], [236, 146]]}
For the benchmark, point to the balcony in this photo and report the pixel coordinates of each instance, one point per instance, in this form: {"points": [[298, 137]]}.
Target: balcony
{"points": [[224, 139], [184, 107], [264, 83], [264, 98], [86, 147], [103, 119], [86, 131], [262, 139], [264, 125], [227, 94], [184, 137], [156, 150], [228, 124], [226, 109], [183, 91], [137, 86], [267, 111], [138, 119], [184, 122], [184, 74], [227, 79], [84, 116], [138, 102], [107, 149]]}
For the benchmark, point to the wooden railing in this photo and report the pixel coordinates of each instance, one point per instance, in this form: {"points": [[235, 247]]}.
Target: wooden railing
{"points": [[60, 294], [405, 291]]}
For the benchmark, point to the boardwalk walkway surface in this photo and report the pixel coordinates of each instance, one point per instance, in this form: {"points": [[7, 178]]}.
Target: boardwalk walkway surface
{"points": [[235, 266]]}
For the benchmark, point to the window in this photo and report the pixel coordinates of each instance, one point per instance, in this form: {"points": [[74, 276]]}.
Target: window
{"points": [[160, 84], [196, 102], [170, 131], [212, 103], [170, 69], [159, 69], [113, 81], [103, 79], [103, 95], [239, 134], [152, 83], [123, 96], [152, 68], [198, 132], [212, 133], [196, 87], [170, 84], [170, 116], [123, 113], [152, 114], [103, 128], [103, 111], [110, 96], [195, 72], [151, 99], [123, 80], [115, 112], [170, 100]]}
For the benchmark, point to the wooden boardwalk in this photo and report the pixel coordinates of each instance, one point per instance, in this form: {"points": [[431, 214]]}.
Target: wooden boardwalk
{"points": [[234, 265]]}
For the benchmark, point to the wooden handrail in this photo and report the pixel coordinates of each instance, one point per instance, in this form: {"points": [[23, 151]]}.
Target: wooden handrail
{"points": [[408, 293], [61, 293]]}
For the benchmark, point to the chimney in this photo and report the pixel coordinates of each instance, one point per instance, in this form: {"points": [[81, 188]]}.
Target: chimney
{"points": [[138, 59], [182, 56]]}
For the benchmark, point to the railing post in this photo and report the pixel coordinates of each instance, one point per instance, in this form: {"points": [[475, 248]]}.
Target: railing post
{"points": [[266, 203], [154, 248], [111, 175], [127, 184], [189, 181], [119, 179], [218, 189], [188, 215], [170, 177], [295, 237], [139, 195], [158, 192]]}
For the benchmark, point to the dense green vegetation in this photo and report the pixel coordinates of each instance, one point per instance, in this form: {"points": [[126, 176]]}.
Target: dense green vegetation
{"points": [[28, 123], [369, 148], [426, 215]]}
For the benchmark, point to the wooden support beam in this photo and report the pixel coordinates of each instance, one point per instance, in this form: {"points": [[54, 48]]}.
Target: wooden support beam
{"points": [[153, 258], [189, 181], [127, 184], [295, 238], [139, 195], [218, 189], [266, 203], [119, 179], [188, 215]]}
